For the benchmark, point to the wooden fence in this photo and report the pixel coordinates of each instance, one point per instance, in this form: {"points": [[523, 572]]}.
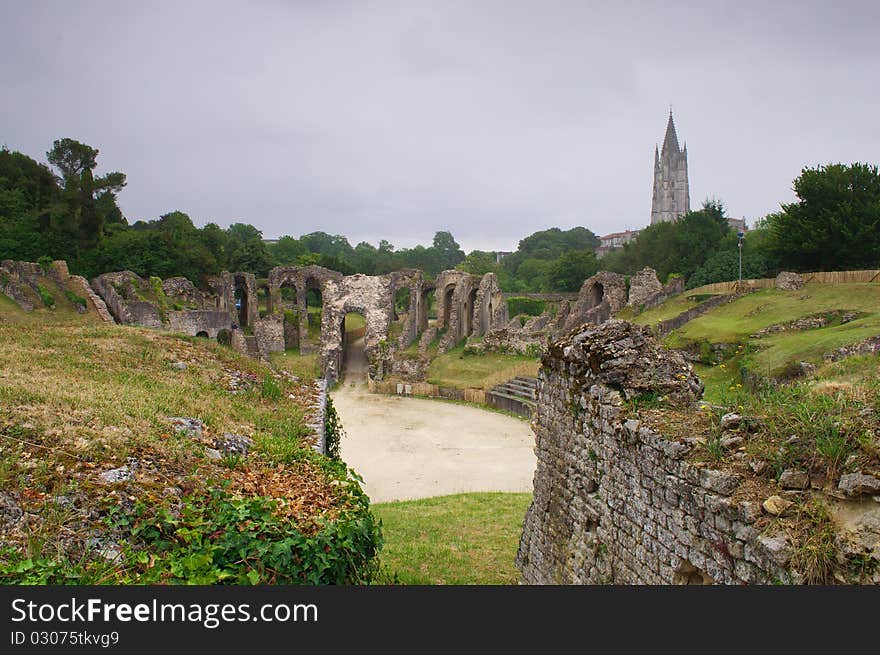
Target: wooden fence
{"points": [[822, 277]]}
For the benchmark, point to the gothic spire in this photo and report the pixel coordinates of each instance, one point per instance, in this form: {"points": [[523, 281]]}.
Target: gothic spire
{"points": [[670, 142]]}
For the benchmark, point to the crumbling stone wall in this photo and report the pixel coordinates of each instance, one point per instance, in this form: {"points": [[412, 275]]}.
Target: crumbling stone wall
{"points": [[674, 287], [490, 308], [417, 313], [599, 298], [643, 285], [370, 296], [12, 286], [618, 502], [301, 279], [126, 295], [456, 294]]}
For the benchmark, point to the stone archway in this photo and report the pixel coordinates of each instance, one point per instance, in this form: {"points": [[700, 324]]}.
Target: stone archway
{"points": [[244, 299]]}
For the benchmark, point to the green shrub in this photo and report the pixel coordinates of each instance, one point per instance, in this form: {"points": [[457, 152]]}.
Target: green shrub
{"points": [[224, 538], [333, 430], [46, 296], [74, 299], [45, 263], [527, 306]]}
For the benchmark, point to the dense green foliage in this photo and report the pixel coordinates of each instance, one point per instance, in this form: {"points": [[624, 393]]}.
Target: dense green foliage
{"points": [[74, 216], [835, 225], [527, 306], [699, 245], [548, 260]]}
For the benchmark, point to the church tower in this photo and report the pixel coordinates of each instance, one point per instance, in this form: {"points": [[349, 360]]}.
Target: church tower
{"points": [[671, 193]]}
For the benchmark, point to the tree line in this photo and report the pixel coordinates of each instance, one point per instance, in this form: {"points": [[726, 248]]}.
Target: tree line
{"points": [[70, 213]]}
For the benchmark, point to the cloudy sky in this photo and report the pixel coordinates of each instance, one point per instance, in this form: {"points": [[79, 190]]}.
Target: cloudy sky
{"points": [[396, 119]]}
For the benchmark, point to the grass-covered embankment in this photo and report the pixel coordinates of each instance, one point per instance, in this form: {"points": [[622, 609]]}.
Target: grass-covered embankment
{"points": [[461, 370], [79, 399]]}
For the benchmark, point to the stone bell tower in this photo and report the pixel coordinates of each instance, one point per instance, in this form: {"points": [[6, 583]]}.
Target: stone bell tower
{"points": [[671, 193]]}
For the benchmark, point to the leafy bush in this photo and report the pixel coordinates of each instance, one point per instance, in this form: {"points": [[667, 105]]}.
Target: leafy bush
{"points": [[46, 296], [222, 538], [74, 299], [529, 306], [45, 263], [333, 430]]}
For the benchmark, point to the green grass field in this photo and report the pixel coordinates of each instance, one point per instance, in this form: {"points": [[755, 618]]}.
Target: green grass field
{"points": [[460, 371], [306, 367], [735, 321], [670, 309], [460, 539]]}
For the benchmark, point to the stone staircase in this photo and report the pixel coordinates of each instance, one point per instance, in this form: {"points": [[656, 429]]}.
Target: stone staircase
{"points": [[253, 348], [518, 395]]}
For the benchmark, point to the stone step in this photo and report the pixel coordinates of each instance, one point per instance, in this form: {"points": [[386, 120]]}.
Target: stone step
{"points": [[515, 391], [530, 381], [517, 384]]}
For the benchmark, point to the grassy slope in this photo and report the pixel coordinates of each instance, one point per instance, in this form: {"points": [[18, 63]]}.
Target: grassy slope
{"points": [[735, 322], [305, 367], [460, 371], [78, 397], [670, 309], [460, 539]]}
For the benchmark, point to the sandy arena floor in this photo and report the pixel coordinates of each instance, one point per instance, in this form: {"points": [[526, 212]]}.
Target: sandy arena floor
{"points": [[408, 448]]}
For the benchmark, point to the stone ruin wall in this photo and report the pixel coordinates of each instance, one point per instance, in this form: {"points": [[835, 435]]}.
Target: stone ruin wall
{"points": [[20, 282], [614, 500], [370, 296]]}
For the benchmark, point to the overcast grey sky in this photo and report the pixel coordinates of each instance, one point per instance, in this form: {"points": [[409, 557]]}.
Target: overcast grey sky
{"points": [[395, 119]]}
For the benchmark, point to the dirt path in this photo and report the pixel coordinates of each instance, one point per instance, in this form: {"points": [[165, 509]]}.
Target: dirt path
{"points": [[408, 448]]}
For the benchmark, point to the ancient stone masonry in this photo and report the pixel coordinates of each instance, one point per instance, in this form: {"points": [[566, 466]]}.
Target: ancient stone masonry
{"points": [[21, 282], [599, 298], [174, 304], [490, 308], [456, 296], [370, 296], [300, 279], [642, 286], [615, 501]]}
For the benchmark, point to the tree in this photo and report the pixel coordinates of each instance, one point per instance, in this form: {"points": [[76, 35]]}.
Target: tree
{"points": [[478, 262], [246, 250], [571, 269], [90, 201], [834, 225], [72, 157], [449, 254], [287, 250]]}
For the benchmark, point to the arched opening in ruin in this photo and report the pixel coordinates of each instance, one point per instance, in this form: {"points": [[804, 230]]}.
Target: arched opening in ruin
{"points": [[202, 334], [597, 294], [289, 309], [224, 337], [401, 303], [314, 308], [354, 366], [243, 302], [447, 307], [467, 320], [486, 315], [427, 308], [264, 299], [688, 574]]}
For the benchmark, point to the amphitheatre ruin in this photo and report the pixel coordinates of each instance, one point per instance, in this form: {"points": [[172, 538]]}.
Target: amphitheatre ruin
{"points": [[618, 496]]}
